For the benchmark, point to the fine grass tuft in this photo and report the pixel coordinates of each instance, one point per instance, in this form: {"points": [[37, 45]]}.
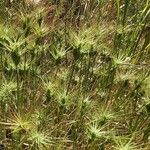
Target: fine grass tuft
{"points": [[74, 75]]}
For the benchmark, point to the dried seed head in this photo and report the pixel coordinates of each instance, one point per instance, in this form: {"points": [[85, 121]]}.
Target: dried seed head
{"points": [[32, 2]]}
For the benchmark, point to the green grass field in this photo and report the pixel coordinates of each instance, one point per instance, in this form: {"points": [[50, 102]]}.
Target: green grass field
{"points": [[75, 75]]}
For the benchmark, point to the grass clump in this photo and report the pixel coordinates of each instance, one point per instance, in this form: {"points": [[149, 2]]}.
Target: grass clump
{"points": [[75, 75]]}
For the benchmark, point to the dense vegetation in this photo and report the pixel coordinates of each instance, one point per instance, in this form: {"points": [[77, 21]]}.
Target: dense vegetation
{"points": [[75, 75]]}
